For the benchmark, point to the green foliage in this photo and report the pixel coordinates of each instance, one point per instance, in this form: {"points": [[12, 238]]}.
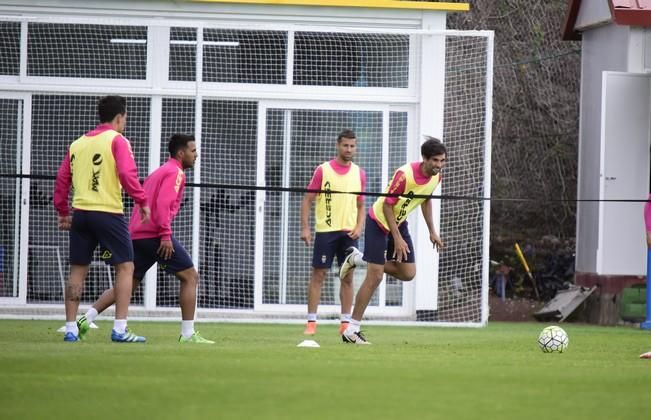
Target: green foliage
{"points": [[535, 113]]}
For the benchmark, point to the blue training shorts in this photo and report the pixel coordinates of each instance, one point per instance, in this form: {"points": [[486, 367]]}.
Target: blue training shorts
{"points": [[146, 255], [378, 244], [109, 230], [329, 244]]}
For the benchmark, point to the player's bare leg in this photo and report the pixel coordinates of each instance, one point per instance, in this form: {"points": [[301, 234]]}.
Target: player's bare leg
{"points": [[123, 287], [105, 300], [346, 298], [188, 292], [314, 297], [401, 271], [189, 279], [74, 288], [374, 276]]}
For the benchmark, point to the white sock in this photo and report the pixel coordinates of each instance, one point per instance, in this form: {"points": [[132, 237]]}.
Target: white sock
{"points": [[187, 328], [91, 315], [354, 325], [120, 326], [311, 317], [72, 327], [345, 317], [358, 260]]}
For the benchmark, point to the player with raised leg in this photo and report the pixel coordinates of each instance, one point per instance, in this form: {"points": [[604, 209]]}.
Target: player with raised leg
{"points": [[387, 234], [339, 222], [97, 166], [153, 242]]}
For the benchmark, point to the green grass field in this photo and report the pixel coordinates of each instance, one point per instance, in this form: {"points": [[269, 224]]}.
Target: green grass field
{"points": [[257, 372]]}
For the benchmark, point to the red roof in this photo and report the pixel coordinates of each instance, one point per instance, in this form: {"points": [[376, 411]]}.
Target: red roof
{"points": [[623, 12]]}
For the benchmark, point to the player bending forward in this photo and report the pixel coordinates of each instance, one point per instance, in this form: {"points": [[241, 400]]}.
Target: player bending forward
{"points": [[153, 242], [387, 235]]}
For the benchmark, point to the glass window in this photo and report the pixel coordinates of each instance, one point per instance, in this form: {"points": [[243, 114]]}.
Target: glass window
{"points": [[10, 47], [183, 54], [229, 56], [244, 56], [361, 60], [87, 51]]}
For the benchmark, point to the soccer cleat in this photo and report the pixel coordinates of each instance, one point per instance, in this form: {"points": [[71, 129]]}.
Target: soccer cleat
{"points": [[343, 326], [195, 338], [354, 337], [348, 263], [84, 327], [126, 337], [71, 337], [646, 355], [310, 328]]}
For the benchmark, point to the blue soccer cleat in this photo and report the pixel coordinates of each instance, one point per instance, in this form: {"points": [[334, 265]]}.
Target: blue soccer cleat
{"points": [[126, 337], [70, 336]]}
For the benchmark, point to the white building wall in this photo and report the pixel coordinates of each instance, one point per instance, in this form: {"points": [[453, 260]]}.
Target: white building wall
{"points": [[603, 49], [232, 13]]}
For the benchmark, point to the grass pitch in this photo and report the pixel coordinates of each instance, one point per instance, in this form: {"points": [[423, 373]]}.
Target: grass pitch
{"points": [[257, 372]]}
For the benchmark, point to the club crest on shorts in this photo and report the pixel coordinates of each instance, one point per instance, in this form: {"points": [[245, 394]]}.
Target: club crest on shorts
{"points": [[323, 259]]}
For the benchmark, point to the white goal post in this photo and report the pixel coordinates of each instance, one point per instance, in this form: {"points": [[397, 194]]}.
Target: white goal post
{"points": [[265, 103]]}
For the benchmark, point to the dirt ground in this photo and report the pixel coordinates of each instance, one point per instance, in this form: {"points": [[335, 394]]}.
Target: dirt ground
{"points": [[514, 310]]}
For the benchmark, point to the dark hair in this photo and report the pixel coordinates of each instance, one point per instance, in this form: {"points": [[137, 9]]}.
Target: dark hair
{"points": [[432, 147], [110, 106], [178, 142], [346, 133]]}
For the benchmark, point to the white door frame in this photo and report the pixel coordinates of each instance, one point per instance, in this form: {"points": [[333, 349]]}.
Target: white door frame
{"points": [[19, 275], [407, 307], [625, 117]]}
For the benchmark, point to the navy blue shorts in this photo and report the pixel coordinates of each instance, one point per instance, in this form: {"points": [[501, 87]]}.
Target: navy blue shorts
{"points": [[329, 244], [146, 255], [109, 230], [378, 244]]}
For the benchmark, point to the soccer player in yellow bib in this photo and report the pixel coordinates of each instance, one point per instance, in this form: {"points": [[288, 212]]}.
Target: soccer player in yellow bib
{"points": [[339, 222], [97, 167], [387, 244]]}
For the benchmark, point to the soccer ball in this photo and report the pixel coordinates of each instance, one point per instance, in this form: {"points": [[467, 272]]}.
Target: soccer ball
{"points": [[553, 339]]}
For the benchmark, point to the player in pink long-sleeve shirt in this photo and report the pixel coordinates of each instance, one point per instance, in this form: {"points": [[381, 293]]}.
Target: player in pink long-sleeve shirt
{"points": [[153, 242], [97, 166]]}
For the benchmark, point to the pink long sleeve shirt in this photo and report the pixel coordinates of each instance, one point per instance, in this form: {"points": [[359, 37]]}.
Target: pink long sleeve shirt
{"points": [[164, 189]]}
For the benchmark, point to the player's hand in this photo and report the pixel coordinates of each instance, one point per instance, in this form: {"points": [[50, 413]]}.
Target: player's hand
{"points": [[306, 236], [145, 214], [400, 249], [65, 222], [355, 233], [166, 249], [436, 241]]}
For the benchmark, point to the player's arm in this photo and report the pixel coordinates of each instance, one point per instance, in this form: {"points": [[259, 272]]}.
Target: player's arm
{"points": [[128, 174], [166, 200], [361, 215], [426, 208], [306, 205], [400, 247], [61, 193]]}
